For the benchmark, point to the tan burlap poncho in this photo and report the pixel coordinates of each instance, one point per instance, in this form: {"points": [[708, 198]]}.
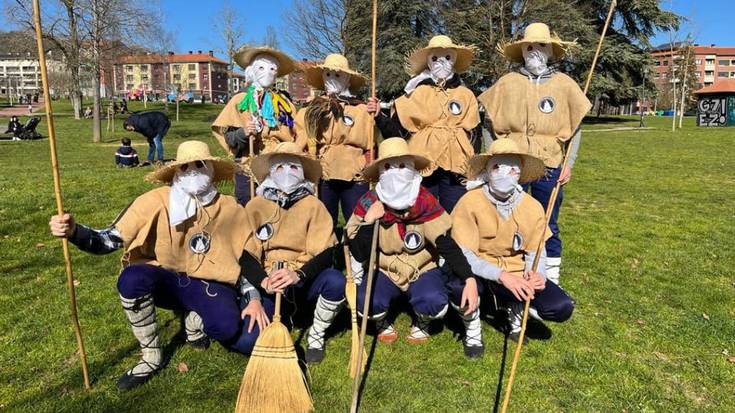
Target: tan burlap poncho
{"points": [[477, 226], [540, 117], [440, 121], [149, 239]]}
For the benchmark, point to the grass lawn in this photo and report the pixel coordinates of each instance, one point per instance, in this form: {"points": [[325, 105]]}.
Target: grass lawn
{"points": [[648, 228]]}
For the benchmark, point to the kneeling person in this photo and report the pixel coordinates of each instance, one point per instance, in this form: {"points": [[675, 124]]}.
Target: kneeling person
{"points": [[499, 227], [292, 228], [182, 243], [414, 232]]}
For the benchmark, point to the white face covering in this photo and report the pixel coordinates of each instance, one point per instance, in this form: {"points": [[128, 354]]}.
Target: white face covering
{"points": [[336, 83], [441, 63], [189, 186], [536, 56], [503, 172], [262, 72], [287, 173], [398, 186]]}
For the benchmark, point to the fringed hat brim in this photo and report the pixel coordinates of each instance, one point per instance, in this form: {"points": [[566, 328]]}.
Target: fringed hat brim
{"points": [[260, 166], [372, 171], [223, 170], [245, 56], [514, 51], [314, 77], [532, 168], [416, 61]]}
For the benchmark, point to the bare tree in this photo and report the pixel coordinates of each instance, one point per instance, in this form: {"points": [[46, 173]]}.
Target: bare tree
{"points": [[229, 26], [270, 39], [319, 27]]}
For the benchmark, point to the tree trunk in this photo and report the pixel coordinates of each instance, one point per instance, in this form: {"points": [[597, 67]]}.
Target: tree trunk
{"points": [[96, 119], [73, 60]]}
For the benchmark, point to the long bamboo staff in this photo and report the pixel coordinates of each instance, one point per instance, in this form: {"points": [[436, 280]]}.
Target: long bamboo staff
{"points": [[57, 191], [251, 146], [549, 209], [365, 308], [373, 76]]}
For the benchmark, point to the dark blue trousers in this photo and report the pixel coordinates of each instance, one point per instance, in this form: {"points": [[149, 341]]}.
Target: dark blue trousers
{"points": [[214, 301], [446, 186], [552, 304], [330, 284], [427, 295], [242, 188], [541, 191], [335, 192]]}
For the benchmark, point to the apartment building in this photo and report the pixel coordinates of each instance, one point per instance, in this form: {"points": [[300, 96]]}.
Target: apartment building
{"points": [[713, 63], [20, 73]]}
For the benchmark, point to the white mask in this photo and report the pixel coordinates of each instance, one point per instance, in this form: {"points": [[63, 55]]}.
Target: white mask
{"points": [[441, 63], [398, 186], [287, 173], [336, 83], [190, 187], [504, 172], [262, 72], [536, 56]]}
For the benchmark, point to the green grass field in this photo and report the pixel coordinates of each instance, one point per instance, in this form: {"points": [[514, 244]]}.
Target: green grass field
{"points": [[648, 228]]}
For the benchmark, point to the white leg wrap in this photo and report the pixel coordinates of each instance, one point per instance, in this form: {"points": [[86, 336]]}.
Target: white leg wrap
{"points": [[552, 269], [324, 314], [515, 317], [194, 326], [357, 270], [472, 326], [141, 313]]}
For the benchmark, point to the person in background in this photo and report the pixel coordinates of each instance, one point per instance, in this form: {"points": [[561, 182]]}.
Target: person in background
{"points": [[30, 107], [126, 156], [154, 126], [15, 127], [88, 112], [124, 106]]}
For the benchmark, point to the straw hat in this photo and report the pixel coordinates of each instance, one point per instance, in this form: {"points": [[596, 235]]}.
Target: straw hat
{"points": [[261, 164], [191, 151], [338, 63], [532, 168], [393, 148], [535, 33], [416, 61], [245, 55]]}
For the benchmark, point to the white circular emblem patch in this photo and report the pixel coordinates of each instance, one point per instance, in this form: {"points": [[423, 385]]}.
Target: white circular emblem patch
{"points": [[455, 108], [413, 241], [517, 241], [348, 120], [547, 104], [264, 232], [200, 243]]}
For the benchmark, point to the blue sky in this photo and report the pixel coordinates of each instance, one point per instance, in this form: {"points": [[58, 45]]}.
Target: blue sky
{"points": [[710, 21]]}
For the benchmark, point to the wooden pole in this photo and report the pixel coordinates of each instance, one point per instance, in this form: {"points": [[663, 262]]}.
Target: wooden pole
{"points": [[373, 76], [365, 311], [549, 209], [57, 191]]}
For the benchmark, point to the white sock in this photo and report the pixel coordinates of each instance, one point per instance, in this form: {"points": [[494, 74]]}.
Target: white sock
{"points": [[141, 313], [324, 314], [194, 327], [552, 269]]}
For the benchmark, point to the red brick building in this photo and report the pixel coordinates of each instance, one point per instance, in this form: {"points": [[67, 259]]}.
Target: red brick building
{"points": [[714, 63], [202, 74]]}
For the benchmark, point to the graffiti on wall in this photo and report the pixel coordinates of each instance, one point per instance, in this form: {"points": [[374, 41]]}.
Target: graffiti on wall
{"points": [[712, 111]]}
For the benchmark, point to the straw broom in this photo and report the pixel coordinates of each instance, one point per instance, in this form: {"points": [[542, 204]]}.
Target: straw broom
{"points": [[351, 294], [549, 209], [57, 193], [273, 381]]}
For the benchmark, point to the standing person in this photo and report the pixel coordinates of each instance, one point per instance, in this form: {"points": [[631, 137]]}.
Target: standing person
{"points": [[126, 155], [291, 227], [262, 112], [341, 126], [541, 110], [436, 114], [15, 127], [124, 106], [30, 107], [182, 244], [499, 227], [154, 126], [414, 232]]}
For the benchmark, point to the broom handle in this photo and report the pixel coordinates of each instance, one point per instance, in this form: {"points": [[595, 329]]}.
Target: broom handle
{"points": [[365, 308], [549, 209], [57, 192], [277, 311]]}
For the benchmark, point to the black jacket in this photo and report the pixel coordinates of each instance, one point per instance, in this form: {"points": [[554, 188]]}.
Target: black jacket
{"points": [[150, 124]]}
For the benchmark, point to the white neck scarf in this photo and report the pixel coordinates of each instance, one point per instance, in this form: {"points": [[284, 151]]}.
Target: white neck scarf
{"points": [[262, 72], [399, 185], [190, 189], [439, 68]]}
